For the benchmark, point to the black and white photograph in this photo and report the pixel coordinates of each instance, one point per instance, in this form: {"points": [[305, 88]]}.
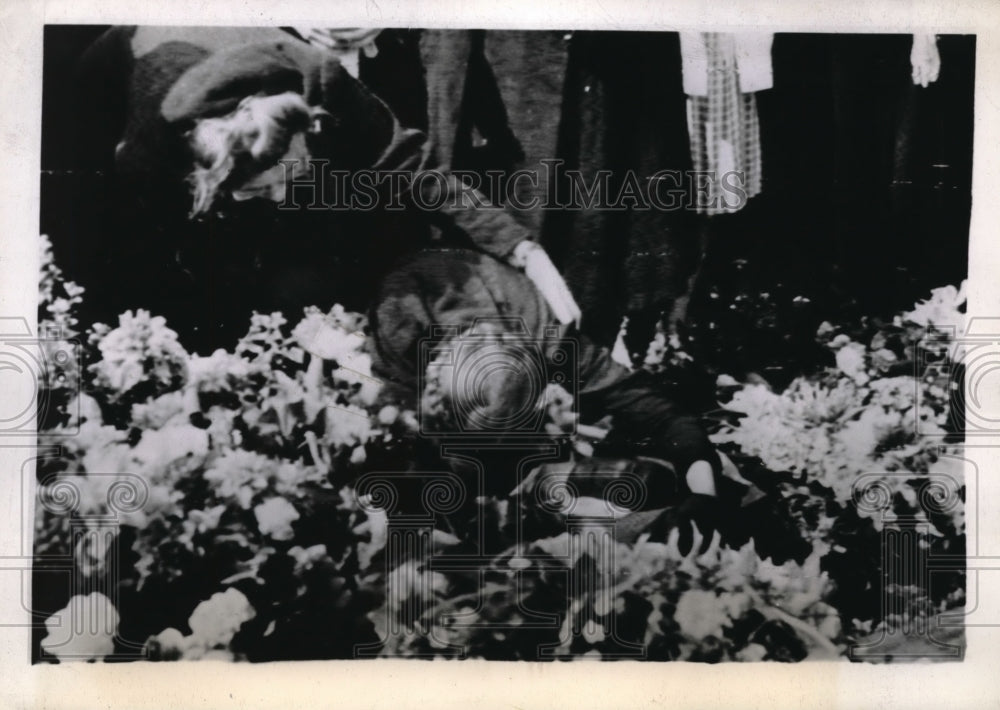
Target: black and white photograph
{"points": [[494, 344]]}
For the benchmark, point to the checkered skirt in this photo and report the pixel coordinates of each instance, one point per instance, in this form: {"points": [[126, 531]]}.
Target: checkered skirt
{"points": [[725, 134]]}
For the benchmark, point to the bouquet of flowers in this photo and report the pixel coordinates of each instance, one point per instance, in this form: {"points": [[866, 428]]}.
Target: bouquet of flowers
{"points": [[210, 508]]}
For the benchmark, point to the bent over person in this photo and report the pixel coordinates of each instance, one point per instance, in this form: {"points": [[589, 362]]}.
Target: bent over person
{"points": [[470, 342], [234, 156], [463, 337]]}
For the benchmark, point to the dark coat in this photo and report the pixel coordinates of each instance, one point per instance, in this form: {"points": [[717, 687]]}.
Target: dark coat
{"points": [[208, 275], [452, 289], [598, 101]]}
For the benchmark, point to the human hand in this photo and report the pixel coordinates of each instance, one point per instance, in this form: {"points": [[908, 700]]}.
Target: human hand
{"points": [[924, 59], [700, 478], [543, 273]]}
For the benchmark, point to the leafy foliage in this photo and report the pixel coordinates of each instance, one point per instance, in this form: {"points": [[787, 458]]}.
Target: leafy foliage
{"points": [[241, 535]]}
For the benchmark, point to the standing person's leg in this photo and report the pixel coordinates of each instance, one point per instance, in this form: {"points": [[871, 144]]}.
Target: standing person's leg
{"points": [[699, 278]]}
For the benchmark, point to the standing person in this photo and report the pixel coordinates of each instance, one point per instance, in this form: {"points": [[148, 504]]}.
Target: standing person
{"points": [[605, 104], [386, 61], [723, 73], [200, 231]]}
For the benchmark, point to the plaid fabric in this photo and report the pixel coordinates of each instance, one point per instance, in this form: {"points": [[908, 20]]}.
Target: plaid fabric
{"points": [[725, 133]]}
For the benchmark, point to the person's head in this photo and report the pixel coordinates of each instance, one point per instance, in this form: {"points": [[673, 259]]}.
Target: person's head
{"points": [[243, 154], [484, 380]]}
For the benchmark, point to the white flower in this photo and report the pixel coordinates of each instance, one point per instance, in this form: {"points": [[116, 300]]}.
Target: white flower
{"points": [[897, 393], [102, 448], [388, 415], [355, 367], [159, 447], [244, 496], [851, 361], [83, 408], [701, 613], [263, 338], [306, 558], [237, 474], [357, 371], [752, 653], [840, 341], [377, 528], [82, 631], [737, 566], [214, 622], [883, 358], [319, 336], [735, 604], [875, 425], [347, 426], [169, 645], [141, 348], [289, 476], [941, 309], [171, 638], [796, 587], [825, 328], [216, 372], [220, 430], [412, 580], [941, 312], [830, 626], [359, 455], [200, 521], [123, 372], [158, 413], [275, 517]]}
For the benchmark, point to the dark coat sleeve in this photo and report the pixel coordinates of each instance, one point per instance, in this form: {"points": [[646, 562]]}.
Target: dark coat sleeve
{"points": [[454, 288], [451, 289], [462, 213], [360, 132], [645, 415], [364, 129]]}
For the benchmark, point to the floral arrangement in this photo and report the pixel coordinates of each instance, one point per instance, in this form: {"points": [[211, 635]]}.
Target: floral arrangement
{"points": [[868, 414], [239, 529], [646, 600], [871, 443]]}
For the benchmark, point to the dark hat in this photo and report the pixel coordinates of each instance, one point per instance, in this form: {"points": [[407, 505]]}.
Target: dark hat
{"points": [[215, 86]]}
